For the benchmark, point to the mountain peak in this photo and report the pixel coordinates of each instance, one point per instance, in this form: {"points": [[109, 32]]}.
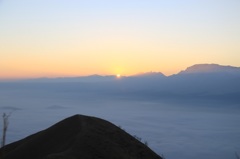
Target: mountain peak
{"points": [[79, 136], [210, 68], [149, 74]]}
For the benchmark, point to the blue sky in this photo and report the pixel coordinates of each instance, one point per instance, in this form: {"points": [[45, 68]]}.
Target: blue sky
{"points": [[113, 36]]}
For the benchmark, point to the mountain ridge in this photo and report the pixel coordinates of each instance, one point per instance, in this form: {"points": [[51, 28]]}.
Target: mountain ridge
{"points": [[210, 68], [79, 136], [194, 69]]}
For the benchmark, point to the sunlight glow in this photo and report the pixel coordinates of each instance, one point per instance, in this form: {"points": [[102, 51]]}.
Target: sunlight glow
{"points": [[115, 37]]}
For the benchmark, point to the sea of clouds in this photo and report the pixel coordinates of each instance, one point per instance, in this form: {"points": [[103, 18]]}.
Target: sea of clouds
{"points": [[176, 129]]}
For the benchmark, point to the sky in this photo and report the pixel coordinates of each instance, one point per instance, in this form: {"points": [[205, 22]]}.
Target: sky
{"points": [[53, 38]]}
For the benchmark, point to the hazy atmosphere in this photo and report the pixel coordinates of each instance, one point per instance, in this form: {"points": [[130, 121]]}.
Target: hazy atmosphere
{"points": [[167, 72], [43, 38]]}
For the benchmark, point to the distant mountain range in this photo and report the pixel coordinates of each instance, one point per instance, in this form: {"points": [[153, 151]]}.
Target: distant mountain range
{"points": [[195, 69], [210, 68], [198, 82]]}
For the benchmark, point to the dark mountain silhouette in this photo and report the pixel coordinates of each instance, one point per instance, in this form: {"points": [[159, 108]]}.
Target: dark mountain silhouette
{"points": [[79, 137], [209, 79], [210, 68], [149, 74], [199, 82]]}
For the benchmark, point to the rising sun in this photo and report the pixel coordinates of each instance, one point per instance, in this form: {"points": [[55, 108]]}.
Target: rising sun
{"points": [[118, 75]]}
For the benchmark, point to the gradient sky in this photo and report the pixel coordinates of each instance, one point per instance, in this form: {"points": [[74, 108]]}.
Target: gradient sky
{"points": [[40, 38]]}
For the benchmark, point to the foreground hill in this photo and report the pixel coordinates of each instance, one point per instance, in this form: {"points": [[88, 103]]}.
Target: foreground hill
{"points": [[79, 137]]}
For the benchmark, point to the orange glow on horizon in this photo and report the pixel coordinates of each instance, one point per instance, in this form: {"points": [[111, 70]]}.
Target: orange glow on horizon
{"points": [[110, 39], [27, 74]]}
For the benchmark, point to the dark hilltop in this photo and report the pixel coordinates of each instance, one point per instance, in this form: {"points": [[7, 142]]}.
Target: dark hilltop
{"points": [[79, 137]]}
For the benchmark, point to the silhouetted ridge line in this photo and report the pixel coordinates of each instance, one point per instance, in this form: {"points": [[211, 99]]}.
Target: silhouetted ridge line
{"points": [[79, 137], [210, 68]]}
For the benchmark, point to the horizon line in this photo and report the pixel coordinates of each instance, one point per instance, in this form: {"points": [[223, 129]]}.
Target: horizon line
{"points": [[102, 75]]}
